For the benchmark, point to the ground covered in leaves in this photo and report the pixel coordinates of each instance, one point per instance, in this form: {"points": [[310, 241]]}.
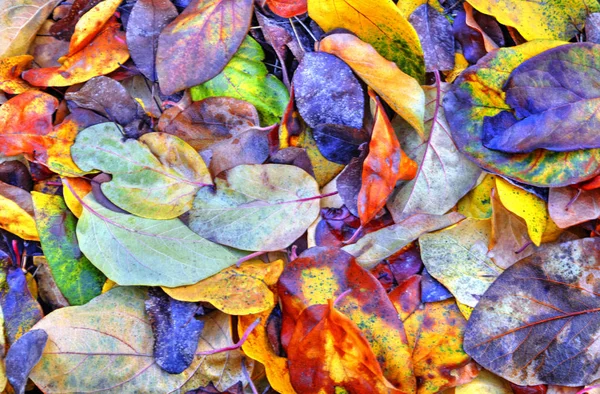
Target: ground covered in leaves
{"points": [[322, 196]]}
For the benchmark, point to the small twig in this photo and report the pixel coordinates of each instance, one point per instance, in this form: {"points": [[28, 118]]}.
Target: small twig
{"points": [[296, 34], [248, 378], [354, 236], [339, 298], [306, 28], [249, 257], [238, 345]]}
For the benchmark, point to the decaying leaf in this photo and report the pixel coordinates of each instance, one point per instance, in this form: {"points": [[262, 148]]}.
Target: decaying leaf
{"points": [[569, 206], [16, 212], [22, 357], [10, 74]]}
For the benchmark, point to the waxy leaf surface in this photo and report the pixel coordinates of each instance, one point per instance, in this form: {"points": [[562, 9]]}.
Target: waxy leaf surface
{"points": [[256, 207], [477, 93], [16, 212], [197, 45], [91, 23], [378, 22], [135, 251], [159, 169], [538, 322], [245, 77], [22, 357], [78, 280]]}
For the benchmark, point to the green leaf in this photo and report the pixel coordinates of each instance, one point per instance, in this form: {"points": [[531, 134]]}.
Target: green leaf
{"points": [[154, 177], [245, 78], [107, 346], [77, 279], [135, 251], [257, 207], [457, 257]]}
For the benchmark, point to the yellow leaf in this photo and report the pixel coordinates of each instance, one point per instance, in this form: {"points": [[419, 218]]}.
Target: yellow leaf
{"points": [[235, 291], [10, 74], [58, 157], [324, 169], [556, 19], [16, 212], [407, 7], [460, 65], [465, 309], [258, 348], [527, 206], [91, 23], [478, 202], [486, 382], [82, 187], [378, 22], [401, 91], [108, 285]]}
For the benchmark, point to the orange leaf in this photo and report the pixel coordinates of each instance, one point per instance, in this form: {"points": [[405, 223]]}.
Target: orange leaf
{"points": [[10, 74], [101, 56], [385, 165], [25, 120], [287, 8], [91, 23], [82, 187], [327, 351]]}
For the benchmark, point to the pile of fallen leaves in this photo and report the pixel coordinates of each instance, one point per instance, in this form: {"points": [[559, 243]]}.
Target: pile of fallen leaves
{"points": [[332, 196]]}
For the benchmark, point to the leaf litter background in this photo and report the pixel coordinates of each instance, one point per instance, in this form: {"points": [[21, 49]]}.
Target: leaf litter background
{"points": [[322, 196]]}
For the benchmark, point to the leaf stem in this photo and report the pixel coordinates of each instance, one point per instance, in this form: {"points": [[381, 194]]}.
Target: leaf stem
{"points": [[248, 378], [587, 389], [238, 345], [249, 257]]}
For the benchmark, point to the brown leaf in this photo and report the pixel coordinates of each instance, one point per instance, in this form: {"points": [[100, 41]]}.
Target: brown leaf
{"points": [[569, 206]]}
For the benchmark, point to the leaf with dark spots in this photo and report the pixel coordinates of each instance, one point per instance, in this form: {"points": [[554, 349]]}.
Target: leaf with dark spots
{"points": [[208, 121], [176, 330], [21, 311], [407, 296], [339, 143], [147, 19], [537, 323], [64, 28], [327, 91], [107, 97], [199, 43], [22, 357], [322, 274], [437, 39], [555, 102]]}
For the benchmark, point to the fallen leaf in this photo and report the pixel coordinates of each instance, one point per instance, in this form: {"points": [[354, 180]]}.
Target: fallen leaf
{"points": [[339, 144], [457, 257], [444, 174], [199, 43], [402, 92], [101, 56], [569, 206], [256, 207], [245, 77], [523, 325], [327, 352], [235, 291], [323, 169], [485, 382], [381, 244], [478, 202], [407, 296], [22, 357], [16, 213], [21, 21], [377, 22], [91, 23], [326, 91], [287, 8], [48, 290], [556, 20], [436, 36], [322, 274], [78, 280], [63, 29], [385, 164], [10, 74], [176, 330], [131, 250], [436, 333], [159, 169], [80, 187], [551, 113]]}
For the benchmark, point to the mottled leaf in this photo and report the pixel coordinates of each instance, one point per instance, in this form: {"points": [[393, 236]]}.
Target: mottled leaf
{"points": [[477, 93], [245, 77], [48, 290], [592, 28], [63, 28], [436, 36], [10, 74], [20, 21], [457, 257], [91, 23], [153, 177], [339, 144], [444, 174], [22, 357], [559, 19], [485, 382], [107, 97], [256, 207], [208, 121], [101, 56], [537, 322], [16, 212], [402, 92], [377, 22], [78, 280], [327, 91], [240, 290], [176, 330], [569, 206], [324, 343], [554, 100], [135, 251], [322, 274], [378, 245], [478, 202], [148, 18], [197, 45]]}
